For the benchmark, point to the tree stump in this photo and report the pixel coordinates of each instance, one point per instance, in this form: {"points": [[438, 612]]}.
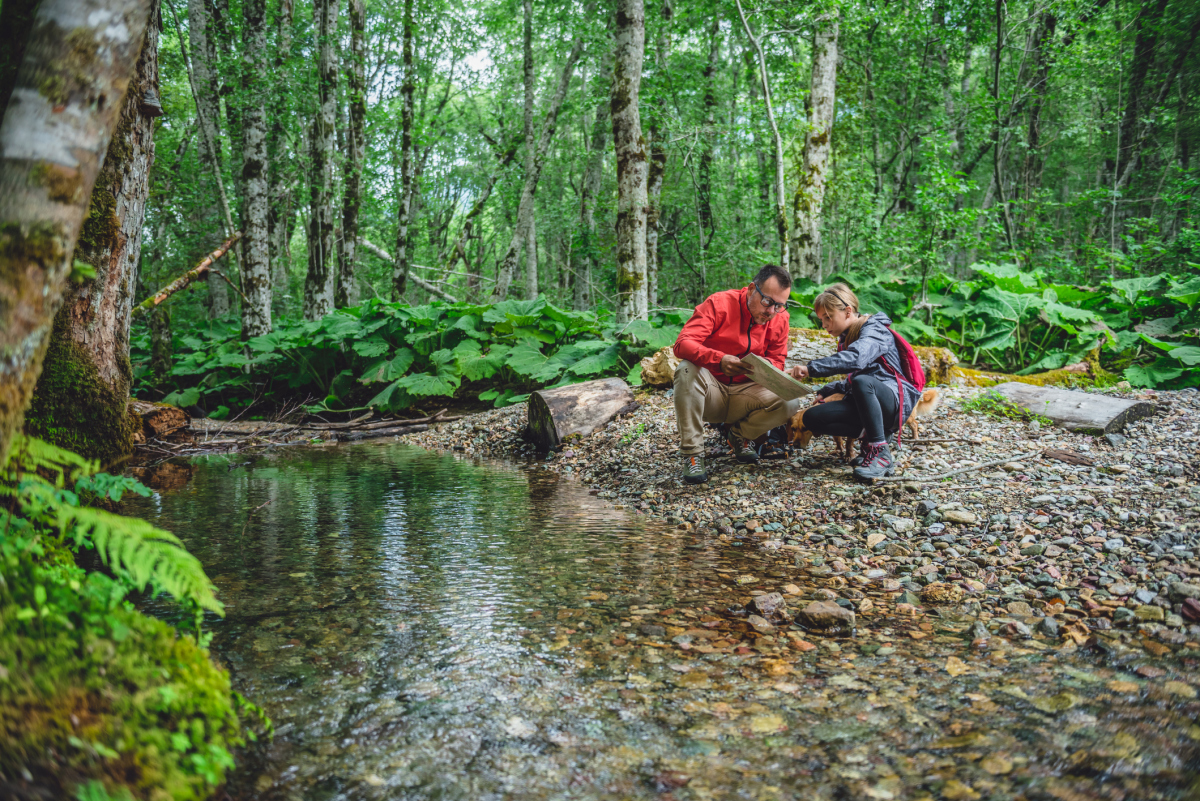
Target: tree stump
{"points": [[1081, 412], [555, 414], [161, 421]]}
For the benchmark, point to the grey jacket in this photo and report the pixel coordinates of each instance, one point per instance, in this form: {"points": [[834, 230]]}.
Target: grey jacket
{"points": [[875, 341]]}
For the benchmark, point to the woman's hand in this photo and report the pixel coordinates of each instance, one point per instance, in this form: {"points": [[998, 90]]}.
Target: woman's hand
{"points": [[800, 371]]}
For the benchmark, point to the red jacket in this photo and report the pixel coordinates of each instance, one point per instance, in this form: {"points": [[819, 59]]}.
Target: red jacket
{"points": [[722, 325]]}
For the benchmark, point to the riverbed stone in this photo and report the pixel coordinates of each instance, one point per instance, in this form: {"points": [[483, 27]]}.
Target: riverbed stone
{"points": [[825, 615]]}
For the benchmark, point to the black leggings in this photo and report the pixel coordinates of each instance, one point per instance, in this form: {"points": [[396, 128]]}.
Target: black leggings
{"points": [[871, 407]]}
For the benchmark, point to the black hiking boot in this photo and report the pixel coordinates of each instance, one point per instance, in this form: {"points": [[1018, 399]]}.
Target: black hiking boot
{"points": [[877, 462], [743, 449], [693, 470], [862, 448]]}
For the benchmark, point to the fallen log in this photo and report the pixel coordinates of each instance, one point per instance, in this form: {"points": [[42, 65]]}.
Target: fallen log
{"points": [[354, 436], [555, 414], [161, 421], [1081, 412], [198, 272]]}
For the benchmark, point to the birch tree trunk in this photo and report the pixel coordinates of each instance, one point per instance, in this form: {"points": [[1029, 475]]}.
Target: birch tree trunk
{"points": [[356, 148], [588, 193], [531, 259], [404, 218], [814, 167], [208, 110], [508, 265], [319, 282], [67, 98], [781, 220], [279, 210], [632, 167], [256, 267], [704, 182], [658, 159]]}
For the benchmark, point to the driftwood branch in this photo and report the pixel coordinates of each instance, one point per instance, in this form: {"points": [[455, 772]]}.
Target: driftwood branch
{"points": [[421, 282], [983, 466], [198, 272]]}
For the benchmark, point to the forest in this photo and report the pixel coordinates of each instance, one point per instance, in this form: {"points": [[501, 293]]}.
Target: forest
{"points": [[251, 209]]}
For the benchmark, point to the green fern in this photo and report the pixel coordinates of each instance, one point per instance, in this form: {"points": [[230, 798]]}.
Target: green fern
{"points": [[147, 556]]}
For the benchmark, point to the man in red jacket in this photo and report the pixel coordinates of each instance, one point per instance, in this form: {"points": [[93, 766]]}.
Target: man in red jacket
{"points": [[712, 383]]}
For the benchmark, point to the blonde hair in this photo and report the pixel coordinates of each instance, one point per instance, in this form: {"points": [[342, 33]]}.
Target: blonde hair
{"points": [[836, 298]]}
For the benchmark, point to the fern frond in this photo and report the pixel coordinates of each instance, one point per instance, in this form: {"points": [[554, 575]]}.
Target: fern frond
{"points": [[149, 555], [30, 454]]}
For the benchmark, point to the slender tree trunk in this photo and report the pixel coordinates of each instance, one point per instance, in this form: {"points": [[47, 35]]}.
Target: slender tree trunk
{"points": [[321, 277], [404, 218], [632, 167], [588, 193], [53, 141], [781, 220], [208, 109], [1031, 174], [704, 182], [256, 268], [814, 168], [658, 159], [997, 164], [280, 208], [356, 148], [531, 258], [508, 265]]}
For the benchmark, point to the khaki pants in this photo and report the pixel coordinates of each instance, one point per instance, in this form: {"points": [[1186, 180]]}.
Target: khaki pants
{"points": [[700, 398]]}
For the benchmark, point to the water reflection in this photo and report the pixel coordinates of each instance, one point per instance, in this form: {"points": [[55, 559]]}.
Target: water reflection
{"points": [[421, 626]]}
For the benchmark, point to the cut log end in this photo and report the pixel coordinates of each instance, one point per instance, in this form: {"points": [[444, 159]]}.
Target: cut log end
{"points": [[161, 421], [555, 414]]}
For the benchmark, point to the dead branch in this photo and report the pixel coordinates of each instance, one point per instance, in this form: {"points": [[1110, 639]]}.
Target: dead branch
{"points": [[983, 466], [416, 279], [198, 272], [336, 426]]}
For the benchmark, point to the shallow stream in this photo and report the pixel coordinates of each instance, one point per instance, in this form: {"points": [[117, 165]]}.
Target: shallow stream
{"points": [[423, 626]]}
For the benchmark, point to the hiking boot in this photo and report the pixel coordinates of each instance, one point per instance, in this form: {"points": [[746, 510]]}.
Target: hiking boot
{"points": [[862, 449], [877, 462], [743, 449], [693, 470]]}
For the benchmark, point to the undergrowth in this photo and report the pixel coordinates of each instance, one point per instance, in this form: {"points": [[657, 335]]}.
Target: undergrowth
{"points": [[97, 699], [992, 404]]}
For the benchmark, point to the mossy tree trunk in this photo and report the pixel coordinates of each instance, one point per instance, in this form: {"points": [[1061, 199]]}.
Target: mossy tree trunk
{"points": [[809, 199], [356, 149], [632, 163], [322, 274], [49, 163], [256, 265], [81, 397]]}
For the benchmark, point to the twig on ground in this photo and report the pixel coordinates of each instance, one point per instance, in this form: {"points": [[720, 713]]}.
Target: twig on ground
{"points": [[944, 439], [982, 466]]}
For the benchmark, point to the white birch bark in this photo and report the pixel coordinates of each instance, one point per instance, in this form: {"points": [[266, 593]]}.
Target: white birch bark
{"points": [[319, 282], [256, 267], [588, 194], [356, 148], [531, 255], [404, 216], [814, 168], [279, 211], [632, 164], [52, 144]]}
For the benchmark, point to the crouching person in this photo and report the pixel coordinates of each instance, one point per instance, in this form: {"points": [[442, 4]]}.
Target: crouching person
{"points": [[713, 384]]}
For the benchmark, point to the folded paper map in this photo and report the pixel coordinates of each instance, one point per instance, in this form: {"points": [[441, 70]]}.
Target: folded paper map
{"points": [[768, 375]]}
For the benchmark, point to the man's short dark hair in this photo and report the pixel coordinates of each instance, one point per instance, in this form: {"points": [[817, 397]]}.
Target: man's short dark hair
{"points": [[774, 271]]}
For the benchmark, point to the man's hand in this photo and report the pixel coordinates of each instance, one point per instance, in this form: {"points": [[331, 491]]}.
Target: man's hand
{"points": [[800, 371], [733, 366]]}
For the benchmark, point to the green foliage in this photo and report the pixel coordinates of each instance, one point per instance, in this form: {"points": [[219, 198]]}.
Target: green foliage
{"points": [[992, 404], [390, 357], [96, 699], [1016, 321]]}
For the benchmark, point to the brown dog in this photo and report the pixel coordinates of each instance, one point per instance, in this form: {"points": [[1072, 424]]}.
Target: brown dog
{"points": [[799, 435]]}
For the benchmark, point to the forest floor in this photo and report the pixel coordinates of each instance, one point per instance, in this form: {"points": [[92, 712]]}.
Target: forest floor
{"points": [[1041, 553]]}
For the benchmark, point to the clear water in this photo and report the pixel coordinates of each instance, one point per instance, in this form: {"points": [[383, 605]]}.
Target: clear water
{"points": [[423, 626]]}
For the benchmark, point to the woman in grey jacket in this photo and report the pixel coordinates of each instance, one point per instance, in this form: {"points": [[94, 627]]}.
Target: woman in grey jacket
{"points": [[874, 381]]}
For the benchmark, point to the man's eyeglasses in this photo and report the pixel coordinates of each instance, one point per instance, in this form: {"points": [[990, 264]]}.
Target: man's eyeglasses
{"points": [[768, 303]]}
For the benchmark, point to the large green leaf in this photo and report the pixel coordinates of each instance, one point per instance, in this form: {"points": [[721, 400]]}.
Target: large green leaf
{"points": [[1188, 354], [526, 358], [1001, 304], [516, 312], [388, 369], [875, 298], [598, 363], [1131, 290], [392, 398], [1152, 375], [1007, 277], [654, 337], [469, 325], [371, 347], [474, 364], [443, 378], [1187, 293]]}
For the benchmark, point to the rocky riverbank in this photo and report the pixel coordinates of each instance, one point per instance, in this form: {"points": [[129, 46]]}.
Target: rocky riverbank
{"points": [[1089, 540]]}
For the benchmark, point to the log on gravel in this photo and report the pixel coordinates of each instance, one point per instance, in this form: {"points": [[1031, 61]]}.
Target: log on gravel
{"points": [[162, 421], [555, 414], [373, 433], [1081, 412]]}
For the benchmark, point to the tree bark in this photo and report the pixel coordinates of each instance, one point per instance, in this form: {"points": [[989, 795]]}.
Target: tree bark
{"points": [[531, 260], [632, 167], [67, 99], [531, 256], [1031, 174], [208, 112], [319, 282], [588, 193], [781, 220], [814, 168], [508, 265], [279, 210], [404, 218], [704, 182], [555, 414], [658, 160], [356, 148], [256, 267]]}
